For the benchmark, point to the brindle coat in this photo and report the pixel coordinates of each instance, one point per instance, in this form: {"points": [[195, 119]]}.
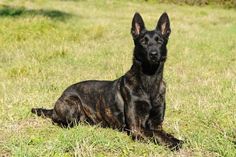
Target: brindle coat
{"points": [[135, 102]]}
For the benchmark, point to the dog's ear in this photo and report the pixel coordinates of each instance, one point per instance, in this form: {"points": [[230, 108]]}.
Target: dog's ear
{"points": [[137, 25], [163, 25]]}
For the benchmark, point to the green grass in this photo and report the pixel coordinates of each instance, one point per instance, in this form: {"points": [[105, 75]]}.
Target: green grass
{"points": [[46, 46]]}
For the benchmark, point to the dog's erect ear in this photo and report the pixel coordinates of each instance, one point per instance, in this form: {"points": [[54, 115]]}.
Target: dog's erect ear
{"points": [[137, 25], [163, 25]]}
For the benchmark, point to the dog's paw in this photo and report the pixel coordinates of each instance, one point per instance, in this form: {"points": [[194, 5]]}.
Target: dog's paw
{"points": [[176, 144]]}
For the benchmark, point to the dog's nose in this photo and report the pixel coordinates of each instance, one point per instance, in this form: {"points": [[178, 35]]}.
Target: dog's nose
{"points": [[153, 54]]}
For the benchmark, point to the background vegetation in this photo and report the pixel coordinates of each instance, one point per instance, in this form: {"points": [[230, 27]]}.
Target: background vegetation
{"points": [[223, 3], [47, 45]]}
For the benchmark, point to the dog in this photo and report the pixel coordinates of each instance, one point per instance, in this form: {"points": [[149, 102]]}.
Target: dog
{"points": [[135, 102]]}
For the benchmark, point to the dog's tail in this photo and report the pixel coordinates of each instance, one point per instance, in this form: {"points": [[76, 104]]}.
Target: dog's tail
{"points": [[42, 112]]}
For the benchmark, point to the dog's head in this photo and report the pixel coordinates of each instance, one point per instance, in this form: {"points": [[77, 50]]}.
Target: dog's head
{"points": [[150, 46]]}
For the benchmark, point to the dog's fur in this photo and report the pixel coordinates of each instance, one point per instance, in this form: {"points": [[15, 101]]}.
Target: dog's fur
{"points": [[135, 102]]}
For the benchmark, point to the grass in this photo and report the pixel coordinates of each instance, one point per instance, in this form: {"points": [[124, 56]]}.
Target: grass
{"points": [[48, 45]]}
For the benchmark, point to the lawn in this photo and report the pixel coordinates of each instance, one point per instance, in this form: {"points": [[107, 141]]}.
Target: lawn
{"points": [[46, 46]]}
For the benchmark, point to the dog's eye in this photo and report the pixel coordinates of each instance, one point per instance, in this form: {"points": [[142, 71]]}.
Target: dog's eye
{"points": [[145, 40], [156, 39]]}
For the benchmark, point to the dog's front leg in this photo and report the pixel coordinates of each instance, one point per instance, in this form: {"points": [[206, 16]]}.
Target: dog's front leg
{"points": [[137, 113], [156, 118], [155, 131], [134, 126]]}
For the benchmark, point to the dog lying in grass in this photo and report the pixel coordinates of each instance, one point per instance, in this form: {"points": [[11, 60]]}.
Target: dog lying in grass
{"points": [[135, 102]]}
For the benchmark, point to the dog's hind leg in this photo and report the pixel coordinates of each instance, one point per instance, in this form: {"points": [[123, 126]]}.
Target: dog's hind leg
{"points": [[67, 111], [49, 113]]}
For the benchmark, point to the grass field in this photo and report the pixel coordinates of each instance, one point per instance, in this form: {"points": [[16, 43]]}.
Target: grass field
{"points": [[46, 46]]}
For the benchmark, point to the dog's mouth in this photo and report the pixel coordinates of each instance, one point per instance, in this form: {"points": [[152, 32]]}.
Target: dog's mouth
{"points": [[157, 60], [154, 60]]}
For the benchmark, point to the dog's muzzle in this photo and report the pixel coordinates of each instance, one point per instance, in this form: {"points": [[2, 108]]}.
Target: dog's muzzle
{"points": [[154, 56]]}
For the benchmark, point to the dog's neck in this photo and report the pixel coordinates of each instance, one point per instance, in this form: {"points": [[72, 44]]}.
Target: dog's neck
{"points": [[149, 81], [146, 69]]}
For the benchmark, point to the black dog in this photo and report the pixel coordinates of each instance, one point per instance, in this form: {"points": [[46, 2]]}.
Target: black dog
{"points": [[135, 102]]}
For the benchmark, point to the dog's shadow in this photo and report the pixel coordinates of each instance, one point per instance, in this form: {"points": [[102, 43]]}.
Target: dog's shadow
{"points": [[9, 11]]}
